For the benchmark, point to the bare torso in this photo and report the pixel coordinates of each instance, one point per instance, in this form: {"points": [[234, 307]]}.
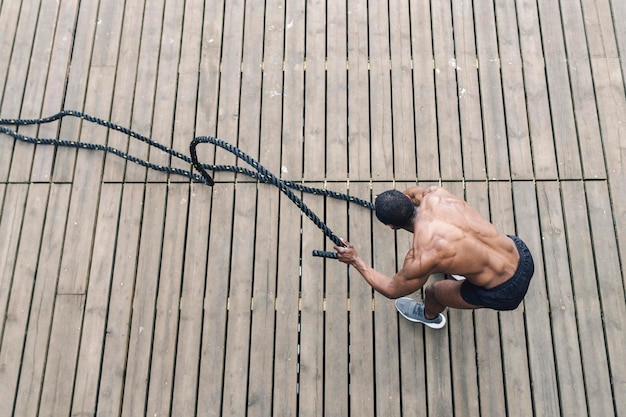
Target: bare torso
{"points": [[453, 238]]}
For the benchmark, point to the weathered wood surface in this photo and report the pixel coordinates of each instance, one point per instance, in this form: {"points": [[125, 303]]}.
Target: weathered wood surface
{"points": [[131, 292]]}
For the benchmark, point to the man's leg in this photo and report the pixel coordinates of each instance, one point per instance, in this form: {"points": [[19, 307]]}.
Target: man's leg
{"points": [[442, 294]]}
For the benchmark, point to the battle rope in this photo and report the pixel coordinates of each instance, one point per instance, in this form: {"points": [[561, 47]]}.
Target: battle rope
{"points": [[260, 173]]}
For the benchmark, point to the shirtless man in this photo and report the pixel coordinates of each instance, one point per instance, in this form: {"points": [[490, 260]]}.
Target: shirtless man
{"points": [[449, 237]]}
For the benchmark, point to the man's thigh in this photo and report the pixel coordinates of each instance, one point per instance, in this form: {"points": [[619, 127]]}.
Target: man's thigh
{"points": [[448, 293]]}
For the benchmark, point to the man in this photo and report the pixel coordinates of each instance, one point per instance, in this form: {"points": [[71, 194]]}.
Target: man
{"points": [[449, 237]]}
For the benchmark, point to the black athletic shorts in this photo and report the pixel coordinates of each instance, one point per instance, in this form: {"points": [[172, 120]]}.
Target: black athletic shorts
{"points": [[509, 294]]}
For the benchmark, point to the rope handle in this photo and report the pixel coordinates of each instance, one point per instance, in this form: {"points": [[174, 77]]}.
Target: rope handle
{"points": [[325, 254]]}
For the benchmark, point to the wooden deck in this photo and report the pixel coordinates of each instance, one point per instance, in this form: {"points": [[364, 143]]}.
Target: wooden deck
{"points": [[125, 292]]}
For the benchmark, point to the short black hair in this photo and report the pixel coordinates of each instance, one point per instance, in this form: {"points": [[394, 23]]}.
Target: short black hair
{"points": [[394, 208]]}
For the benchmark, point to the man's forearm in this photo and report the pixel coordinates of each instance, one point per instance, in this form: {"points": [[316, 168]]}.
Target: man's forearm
{"points": [[380, 282]]}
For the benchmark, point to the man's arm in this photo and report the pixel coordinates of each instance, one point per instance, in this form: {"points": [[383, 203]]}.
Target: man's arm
{"points": [[406, 281]]}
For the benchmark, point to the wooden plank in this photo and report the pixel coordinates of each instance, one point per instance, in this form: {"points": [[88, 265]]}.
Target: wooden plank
{"points": [[609, 88], [361, 314], [2, 192], [83, 206], [470, 117], [261, 371], [262, 344], [114, 357], [55, 86], [145, 86], [251, 83], [164, 341], [518, 140], [462, 372], [488, 354], [545, 390], [108, 33], [517, 384], [587, 124], [78, 237], [448, 130], [239, 314], [336, 131], [493, 115], [9, 19], [15, 322], [209, 77], [10, 228], [561, 300], [193, 287], [94, 321], [16, 77], [618, 10], [595, 367], [210, 394], [583, 97], [381, 133], [414, 395], [293, 96], [397, 346], [34, 88], [285, 394], [437, 359], [230, 80], [611, 290], [559, 88], [129, 27], [76, 90], [167, 82], [601, 28], [187, 89], [402, 93], [240, 303], [311, 361], [137, 373], [537, 103], [236, 358], [42, 304], [272, 86], [466, 344], [88, 165], [315, 90], [358, 93], [424, 91], [63, 345], [336, 325]]}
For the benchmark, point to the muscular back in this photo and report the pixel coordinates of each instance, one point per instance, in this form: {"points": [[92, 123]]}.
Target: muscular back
{"points": [[451, 237]]}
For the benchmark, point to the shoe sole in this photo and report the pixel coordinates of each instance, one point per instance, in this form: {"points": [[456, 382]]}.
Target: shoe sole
{"points": [[431, 325], [457, 277]]}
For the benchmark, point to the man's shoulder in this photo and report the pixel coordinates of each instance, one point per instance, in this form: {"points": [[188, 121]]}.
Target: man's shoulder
{"points": [[430, 252]]}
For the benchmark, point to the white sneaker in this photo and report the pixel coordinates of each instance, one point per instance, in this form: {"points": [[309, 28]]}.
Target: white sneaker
{"points": [[414, 311]]}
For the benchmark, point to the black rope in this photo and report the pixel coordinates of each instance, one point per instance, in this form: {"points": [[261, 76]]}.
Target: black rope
{"points": [[259, 173]]}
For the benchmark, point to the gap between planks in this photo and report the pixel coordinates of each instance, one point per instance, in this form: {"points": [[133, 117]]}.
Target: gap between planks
{"points": [[390, 64], [277, 308]]}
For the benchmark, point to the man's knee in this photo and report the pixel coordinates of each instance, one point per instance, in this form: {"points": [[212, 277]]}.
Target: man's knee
{"points": [[430, 291]]}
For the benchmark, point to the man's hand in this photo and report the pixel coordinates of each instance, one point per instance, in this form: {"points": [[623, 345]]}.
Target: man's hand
{"points": [[348, 254]]}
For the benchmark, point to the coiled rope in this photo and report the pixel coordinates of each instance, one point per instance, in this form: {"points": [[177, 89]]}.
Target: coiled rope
{"points": [[259, 173]]}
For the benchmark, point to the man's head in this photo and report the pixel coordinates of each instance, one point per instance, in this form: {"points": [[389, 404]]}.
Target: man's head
{"points": [[395, 209]]}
